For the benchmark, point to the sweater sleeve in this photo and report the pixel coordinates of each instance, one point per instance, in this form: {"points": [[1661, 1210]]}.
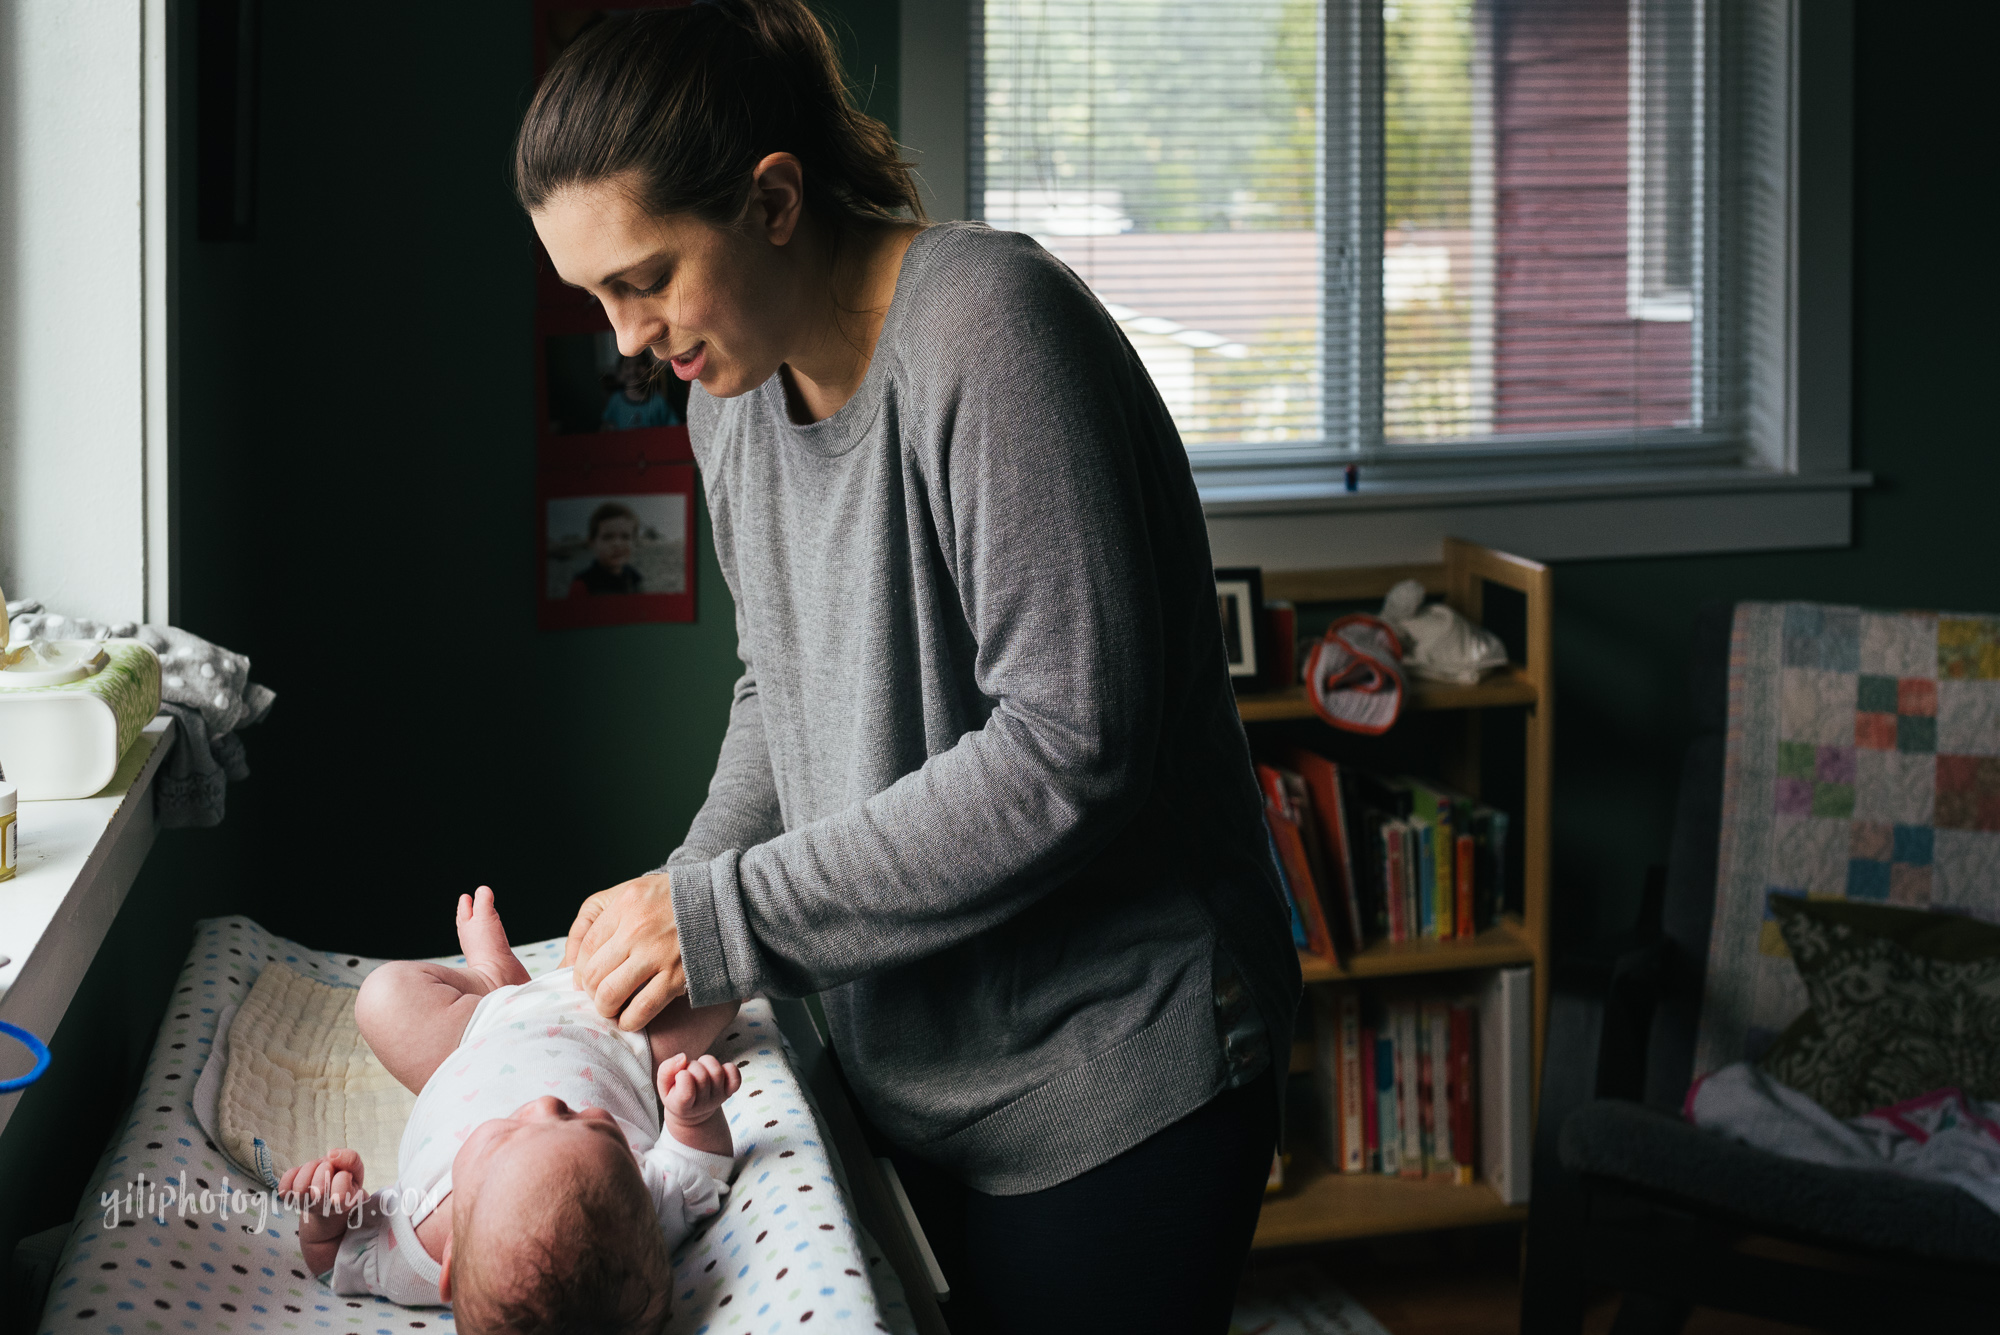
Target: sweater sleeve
{"points": [[741, 809], [1040, 479]]}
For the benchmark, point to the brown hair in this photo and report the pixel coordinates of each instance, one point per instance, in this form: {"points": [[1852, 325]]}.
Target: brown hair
{"points": [[607, 512], [597, 1265], [685, 102]]}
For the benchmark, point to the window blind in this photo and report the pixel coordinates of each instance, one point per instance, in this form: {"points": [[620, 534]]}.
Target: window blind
{"points": [[1340, 224]]}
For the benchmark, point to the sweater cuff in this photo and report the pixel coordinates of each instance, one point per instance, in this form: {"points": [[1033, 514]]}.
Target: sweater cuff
{"points": [[695, 889]]}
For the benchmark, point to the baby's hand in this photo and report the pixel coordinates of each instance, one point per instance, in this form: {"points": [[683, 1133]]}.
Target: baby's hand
{"points": [[694, 1091], [326, 1191]]}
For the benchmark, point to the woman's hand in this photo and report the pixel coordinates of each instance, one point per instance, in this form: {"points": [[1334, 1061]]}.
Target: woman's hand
{"points": [[627, 951]]}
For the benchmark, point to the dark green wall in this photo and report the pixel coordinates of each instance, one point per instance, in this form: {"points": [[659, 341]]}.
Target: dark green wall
{"points": [[1924, 351], [353, 399]]}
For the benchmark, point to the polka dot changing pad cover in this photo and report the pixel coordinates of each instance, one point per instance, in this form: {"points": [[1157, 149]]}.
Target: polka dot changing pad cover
{"points": [[785, 1253]]}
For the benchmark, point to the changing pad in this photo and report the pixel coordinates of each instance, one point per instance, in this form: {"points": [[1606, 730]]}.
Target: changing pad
{"points": [[784, 1252]]}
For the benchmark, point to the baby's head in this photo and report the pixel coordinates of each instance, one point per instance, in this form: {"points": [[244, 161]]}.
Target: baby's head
{"points": [[613, 530], [553, 1229]]}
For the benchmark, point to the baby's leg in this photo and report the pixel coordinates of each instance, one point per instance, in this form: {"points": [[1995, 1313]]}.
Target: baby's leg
{"points": [[690, 1029], [413, 1013]]}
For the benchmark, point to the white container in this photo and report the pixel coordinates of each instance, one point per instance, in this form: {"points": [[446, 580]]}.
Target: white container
{"points": [[64, 739]]}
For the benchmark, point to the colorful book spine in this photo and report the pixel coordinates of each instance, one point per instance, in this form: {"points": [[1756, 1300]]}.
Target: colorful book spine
{"points": [[1440, 1161], [1284, 880], [1426, 866], [1444, 856], [1393, 835], [1426, 1097], [1389, 1128], [1409, 1102], [1353, 1154], [1464, 1129], [1371, 1123], [1466, 918], [1292, 857]]}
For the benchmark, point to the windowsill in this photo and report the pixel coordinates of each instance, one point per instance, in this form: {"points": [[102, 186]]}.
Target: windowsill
{"points": [[78, 859], [1305, 518]]}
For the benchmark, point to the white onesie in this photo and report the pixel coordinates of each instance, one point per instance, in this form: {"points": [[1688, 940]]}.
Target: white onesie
{"points": [[524, 1041]]}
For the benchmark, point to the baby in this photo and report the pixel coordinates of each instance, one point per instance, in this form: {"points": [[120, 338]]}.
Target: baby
{"points": [[538, 1131]]}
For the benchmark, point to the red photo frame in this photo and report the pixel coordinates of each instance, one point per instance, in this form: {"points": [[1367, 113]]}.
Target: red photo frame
{"points": [[609, 498], [562, 427]]}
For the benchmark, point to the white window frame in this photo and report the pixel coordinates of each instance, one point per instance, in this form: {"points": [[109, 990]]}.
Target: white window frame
{"points": [[1787, 483], [85, 502]]}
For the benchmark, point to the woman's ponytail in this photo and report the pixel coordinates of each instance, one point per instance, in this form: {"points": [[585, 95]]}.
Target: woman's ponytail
{"points": [[683, 103]]}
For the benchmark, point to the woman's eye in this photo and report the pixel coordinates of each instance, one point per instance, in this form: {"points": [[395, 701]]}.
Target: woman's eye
{"points": [[654, 290]]}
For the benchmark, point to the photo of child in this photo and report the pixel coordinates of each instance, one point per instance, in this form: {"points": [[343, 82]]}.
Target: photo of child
{"points": [[593, 387], [616, 545]]}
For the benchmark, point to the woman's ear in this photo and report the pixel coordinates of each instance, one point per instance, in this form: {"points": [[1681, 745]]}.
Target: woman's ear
{"points": [[777, 197]]}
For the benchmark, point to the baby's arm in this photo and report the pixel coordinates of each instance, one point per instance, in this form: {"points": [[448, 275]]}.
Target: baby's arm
{"points": [[692, 1093], [326, 1192]]}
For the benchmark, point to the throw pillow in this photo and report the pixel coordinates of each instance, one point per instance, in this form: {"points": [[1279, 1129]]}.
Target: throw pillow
{"points": [[1903, 1002]]}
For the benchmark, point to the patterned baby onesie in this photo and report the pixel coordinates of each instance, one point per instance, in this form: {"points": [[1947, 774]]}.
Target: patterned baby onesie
{"points": [[534, 1038]]}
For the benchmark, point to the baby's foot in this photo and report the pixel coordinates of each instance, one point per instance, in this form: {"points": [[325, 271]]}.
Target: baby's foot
{"points": [[484, 941]]}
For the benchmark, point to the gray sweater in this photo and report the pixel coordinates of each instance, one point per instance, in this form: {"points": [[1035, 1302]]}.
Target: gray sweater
{"points": [[984, 787]]}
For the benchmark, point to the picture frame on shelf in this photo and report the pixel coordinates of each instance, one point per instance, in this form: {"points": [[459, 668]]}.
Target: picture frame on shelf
{"points": [[1239, 598]]}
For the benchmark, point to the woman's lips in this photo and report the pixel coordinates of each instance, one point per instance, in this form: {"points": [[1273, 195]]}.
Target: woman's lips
{"points": [[688, 365]]}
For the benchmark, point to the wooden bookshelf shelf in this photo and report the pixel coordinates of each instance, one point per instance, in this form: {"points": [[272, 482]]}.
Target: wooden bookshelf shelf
{"points": [[1319, 1205], [1497, 947], [1509, 686]]}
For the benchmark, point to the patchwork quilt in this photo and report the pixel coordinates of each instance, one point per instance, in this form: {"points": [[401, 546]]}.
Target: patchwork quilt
{"points": [[1862, 762]]}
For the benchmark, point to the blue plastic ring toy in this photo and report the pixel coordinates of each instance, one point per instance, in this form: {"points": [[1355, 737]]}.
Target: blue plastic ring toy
{"points": [[34, 1045]]}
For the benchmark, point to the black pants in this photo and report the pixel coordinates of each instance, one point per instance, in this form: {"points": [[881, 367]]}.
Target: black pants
{"points": [[1153, 1241]]}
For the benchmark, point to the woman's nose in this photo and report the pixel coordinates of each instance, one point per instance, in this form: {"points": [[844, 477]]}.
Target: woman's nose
{"points": [[637, 328]]}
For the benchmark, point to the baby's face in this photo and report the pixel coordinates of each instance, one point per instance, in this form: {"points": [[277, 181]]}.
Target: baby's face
{"points": [[515, 1155], [613, 544]]}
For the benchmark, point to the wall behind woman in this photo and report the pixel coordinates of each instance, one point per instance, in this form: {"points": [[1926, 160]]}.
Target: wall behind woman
{"points": [[353, 391]]}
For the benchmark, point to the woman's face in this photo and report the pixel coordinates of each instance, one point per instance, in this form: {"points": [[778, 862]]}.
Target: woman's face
{"points": [[713, 302]]}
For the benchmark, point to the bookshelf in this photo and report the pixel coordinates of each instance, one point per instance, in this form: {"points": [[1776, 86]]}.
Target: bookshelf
{"points": [[1319, 1205]]}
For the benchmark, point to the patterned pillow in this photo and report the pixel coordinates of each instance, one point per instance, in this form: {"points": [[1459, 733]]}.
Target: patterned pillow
{"points": [[1903, 1002]]}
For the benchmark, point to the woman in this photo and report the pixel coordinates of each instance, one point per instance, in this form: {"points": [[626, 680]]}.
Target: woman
{"points": [[984, 789]]}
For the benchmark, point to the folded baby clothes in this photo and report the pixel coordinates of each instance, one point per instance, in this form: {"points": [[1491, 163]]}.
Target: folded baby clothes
{"points": [[1439, 642]]}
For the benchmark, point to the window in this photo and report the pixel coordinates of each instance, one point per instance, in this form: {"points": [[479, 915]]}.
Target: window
{"points": [[1395, 232]]}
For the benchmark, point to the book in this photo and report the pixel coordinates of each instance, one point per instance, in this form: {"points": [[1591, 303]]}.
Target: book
{"points": [[1394, 833], [1464, 918], [1389, 1130], [1284, 881], [1505, 1132], [1442, 1160], [1408, 1116], [1353, 1153], [1332, 910], [1371, 1124], [1285, 835], [1427, 1127], [1464, 1137], [1489, 833], [1322, 778], [1424, 860]]}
